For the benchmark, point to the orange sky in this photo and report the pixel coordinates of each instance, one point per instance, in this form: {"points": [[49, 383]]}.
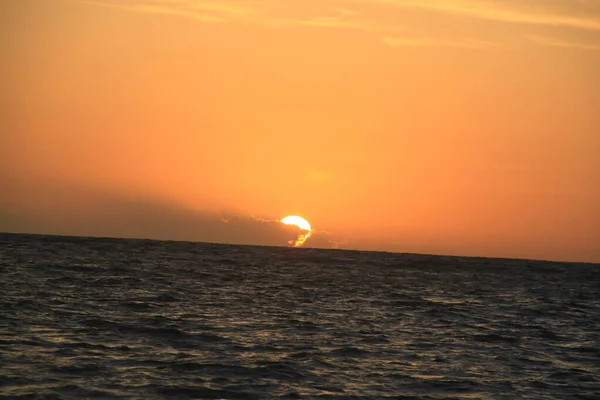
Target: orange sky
{"points": [[441, 126]]}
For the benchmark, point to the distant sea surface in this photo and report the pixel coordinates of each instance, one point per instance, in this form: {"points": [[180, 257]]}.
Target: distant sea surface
{"points": [[118, 318]]}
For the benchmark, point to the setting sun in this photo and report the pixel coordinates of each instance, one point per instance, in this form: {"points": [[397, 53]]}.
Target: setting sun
{"points": [[300, 223]]}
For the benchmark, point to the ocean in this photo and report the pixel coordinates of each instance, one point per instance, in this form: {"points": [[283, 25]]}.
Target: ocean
{"points": [[122, 318]]}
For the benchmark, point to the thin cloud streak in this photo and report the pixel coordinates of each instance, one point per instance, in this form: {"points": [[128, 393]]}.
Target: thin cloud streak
{"points": [[200, 11], [410, 42], [553, 42], [226, 8], [495, 12], [342, 20], [229, 12], [150, 9]]}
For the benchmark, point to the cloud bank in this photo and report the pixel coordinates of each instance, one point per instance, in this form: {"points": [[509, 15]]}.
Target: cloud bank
{"points": [[70, 210]]}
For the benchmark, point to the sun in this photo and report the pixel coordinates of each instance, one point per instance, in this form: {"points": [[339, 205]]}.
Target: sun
{"points": [[300, 223]]}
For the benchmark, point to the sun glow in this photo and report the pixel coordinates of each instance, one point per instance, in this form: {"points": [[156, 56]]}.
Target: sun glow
{"points": [[300, 223]]}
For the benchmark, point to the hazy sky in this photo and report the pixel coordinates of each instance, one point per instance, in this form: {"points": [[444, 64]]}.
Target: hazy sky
{"points": [[438, 126]]}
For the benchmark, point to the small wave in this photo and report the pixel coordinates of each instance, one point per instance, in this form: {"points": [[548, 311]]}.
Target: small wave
{"points": [[79, 370], [493, 337], [204, 393], [349, 351], [377, 339], [139, 306]]}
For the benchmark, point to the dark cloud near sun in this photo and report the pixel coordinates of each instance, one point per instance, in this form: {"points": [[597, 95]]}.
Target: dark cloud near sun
{"points": [[320, 241], [72, 210]]}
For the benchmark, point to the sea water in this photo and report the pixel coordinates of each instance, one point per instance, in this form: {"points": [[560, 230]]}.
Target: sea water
{"points": [[121, 318]]}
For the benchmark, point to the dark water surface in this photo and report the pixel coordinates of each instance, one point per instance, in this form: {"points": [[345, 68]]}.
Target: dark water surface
{"points": [[84, 317]]}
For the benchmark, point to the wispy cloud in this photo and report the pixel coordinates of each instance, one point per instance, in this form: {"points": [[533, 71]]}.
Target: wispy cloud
{"points": [[260, 13], [203, 11], [223, 7], [554, 42], [498, 11], [342, 18], [155, 9], [358, 15], [424, 42]]}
